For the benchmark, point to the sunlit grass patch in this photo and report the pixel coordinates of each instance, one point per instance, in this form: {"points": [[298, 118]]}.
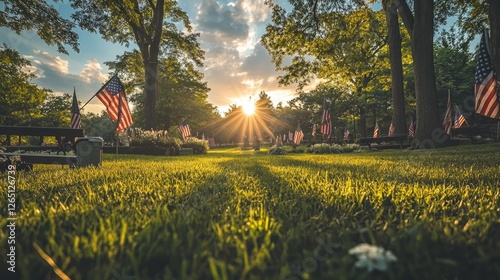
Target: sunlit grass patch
{"points": [[244, 214]]}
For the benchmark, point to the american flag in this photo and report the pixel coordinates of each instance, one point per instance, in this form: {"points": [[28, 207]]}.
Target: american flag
{"points": [[447, 117], [112, 95], [314, 130], [391, 130], [76, 121], [298, 135], [326, 123], [459, 118], [184, 130], [487, 102], [290, 135], [376, 131], [346, 134], [411, 129]]}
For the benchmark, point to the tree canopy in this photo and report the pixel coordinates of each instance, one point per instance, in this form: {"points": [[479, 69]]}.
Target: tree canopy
{"points": [[20, 100], [39, 16], [152, 26]]}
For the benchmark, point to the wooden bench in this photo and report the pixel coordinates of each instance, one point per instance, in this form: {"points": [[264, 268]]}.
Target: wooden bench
{"points": [[368, 141], [484, 130], [65, 139]]}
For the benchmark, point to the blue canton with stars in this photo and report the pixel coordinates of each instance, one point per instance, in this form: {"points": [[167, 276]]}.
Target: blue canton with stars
{"points": [[484, 65], [114, 86]]}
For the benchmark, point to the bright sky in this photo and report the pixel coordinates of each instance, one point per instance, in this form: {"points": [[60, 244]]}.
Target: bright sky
{"points": [[236, 65]]}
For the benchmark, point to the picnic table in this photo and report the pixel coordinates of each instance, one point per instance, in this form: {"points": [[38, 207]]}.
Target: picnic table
{"points": [[65, 139]]}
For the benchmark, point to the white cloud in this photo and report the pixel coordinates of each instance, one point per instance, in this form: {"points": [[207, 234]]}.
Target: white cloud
{"points": [[56, 62], [252, 84], [33, 70], [255, 10], [92, 71]]}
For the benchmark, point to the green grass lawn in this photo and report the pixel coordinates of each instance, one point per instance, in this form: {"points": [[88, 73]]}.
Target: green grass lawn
{"points": [[235, 214]]}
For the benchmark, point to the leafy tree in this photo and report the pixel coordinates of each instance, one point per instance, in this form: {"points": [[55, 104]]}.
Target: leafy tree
{"points": [[20, 100], [342, 47], [394, 41], [99, 125], [56, 111], [151, 25], [181, 91], [40, 16], [473, 18], [420, 23], [455, 68]]}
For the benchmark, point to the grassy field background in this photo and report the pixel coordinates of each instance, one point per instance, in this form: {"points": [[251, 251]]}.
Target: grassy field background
{"points": [[235, 214]]}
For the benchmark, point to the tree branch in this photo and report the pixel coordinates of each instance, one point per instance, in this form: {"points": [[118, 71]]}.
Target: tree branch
{"points": [[405, 14]]}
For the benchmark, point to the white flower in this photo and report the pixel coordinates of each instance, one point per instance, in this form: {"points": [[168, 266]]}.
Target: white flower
{"points": [[372, 257]]}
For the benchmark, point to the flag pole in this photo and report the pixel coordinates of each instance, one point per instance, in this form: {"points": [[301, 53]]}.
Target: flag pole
{"points": [[118, 122]]}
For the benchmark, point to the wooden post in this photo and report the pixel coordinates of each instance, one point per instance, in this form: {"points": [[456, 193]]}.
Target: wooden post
{"points": [[498, 131]]}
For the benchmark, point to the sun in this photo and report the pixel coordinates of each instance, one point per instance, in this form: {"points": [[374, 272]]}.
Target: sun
{"points": [[248, 108]]}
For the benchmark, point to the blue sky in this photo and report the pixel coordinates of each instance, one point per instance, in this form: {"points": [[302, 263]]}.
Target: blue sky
{"points": [[236, 66]]}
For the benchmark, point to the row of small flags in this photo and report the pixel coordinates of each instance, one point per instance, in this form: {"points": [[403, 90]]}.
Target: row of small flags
{"points": [[376, 130], [294, 138]]}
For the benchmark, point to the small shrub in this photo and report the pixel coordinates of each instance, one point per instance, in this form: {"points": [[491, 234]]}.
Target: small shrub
{"points": [[297, 150], [277, 150], [199, 146], [333, 149]]}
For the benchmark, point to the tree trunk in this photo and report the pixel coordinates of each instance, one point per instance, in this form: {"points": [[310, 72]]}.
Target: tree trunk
{"points": [[362, 122], [495, 34], [398, 97], [429, 131], [150, 93]]}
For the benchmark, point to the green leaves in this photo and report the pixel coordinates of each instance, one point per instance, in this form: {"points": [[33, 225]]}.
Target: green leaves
{"points": [[39, 16]]}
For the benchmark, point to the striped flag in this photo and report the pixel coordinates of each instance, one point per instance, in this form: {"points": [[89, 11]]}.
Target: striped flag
{"points": [[298, 135], [459, 118], [184, 130], [314, 130], [346, 134], [411, 129], [326, 123], [112, 95], [376, 131], [391, 130], [76, 121], [290, 135], [487, 102], [447, 117]]}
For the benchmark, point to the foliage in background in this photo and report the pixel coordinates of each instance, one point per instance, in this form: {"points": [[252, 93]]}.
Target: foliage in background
{"points": [[277, 150], [20, 99], [332, 149], [99, 125], [40, 17], [199, 146]]}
